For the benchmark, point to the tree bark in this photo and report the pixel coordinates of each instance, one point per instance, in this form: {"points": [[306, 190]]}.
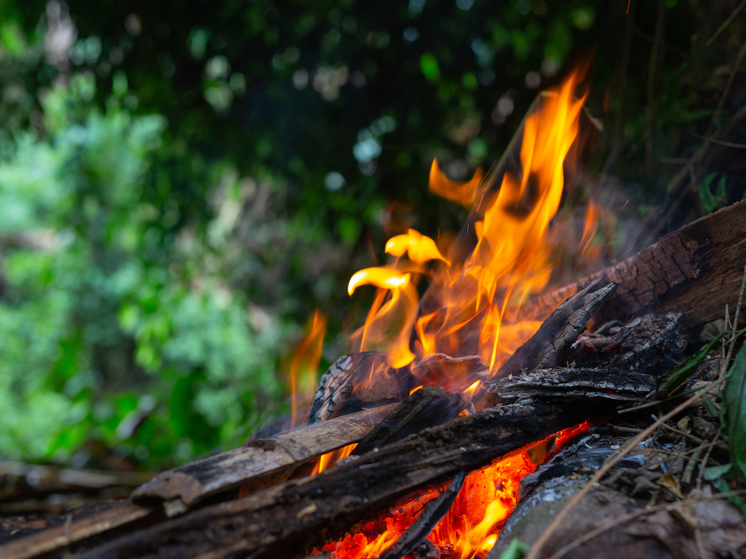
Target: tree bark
{"points": [[694, 271]]}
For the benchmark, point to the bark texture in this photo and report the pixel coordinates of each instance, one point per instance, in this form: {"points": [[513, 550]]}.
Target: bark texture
{"points": [[694, 271]]}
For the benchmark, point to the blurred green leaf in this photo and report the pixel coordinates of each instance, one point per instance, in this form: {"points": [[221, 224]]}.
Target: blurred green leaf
{"points": [[735, 411]]}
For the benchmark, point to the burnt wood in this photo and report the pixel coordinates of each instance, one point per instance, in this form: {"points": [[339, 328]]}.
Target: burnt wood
{"points": [[433, 512], [79, 525], [343, 385], [288, 518], [260, 459], [552, 343], [424, 408], [694, 271], [581, 383]]}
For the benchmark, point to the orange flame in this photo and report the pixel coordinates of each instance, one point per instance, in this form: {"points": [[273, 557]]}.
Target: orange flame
{"points": [[464, 193], [330, 459], [418, 247], [471, 526], [471, 305], [304, 365]]}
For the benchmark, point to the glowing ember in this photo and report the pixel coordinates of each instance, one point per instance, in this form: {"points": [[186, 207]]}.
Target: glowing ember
{"points": [[471, 527]]}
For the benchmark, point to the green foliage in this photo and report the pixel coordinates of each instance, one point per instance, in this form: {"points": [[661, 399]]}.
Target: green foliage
{"points": [[735, 411], [712, 201], [515, 550], [677, 378], [111, 328]]}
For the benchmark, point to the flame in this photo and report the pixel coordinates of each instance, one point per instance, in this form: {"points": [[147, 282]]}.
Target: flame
{"points": [[418, 247], [471, 304], [473, 523], [464, 193], [330, 459], [385, 278], [470, 308], [590, 226], [304, 365]]}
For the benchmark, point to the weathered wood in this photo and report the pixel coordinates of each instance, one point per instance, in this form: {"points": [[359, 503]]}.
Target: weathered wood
{"points": [[694, 271], [577, 383], [74, 528], [552, 343], [649, 344], [286, 519], [256, 460], [424, 408]]}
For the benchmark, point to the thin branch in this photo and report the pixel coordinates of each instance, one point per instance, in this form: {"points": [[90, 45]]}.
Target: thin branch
{"points": [[632, 515], [725, 24], [720, 142]]}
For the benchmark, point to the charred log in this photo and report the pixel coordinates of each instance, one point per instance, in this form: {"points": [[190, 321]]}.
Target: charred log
{"points": [[552, 343], [286, 519], [343, 386], [426, 521], [694, 271], [424, 408], [586, 384]]}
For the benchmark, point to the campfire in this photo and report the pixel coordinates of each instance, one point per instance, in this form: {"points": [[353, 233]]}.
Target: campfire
{"points": [[470, 309], [415, 444]]}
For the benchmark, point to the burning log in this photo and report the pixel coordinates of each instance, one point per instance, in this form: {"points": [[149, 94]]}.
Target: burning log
{"points": [[256, 461], [290, 517], [433, 512], [424, 408], [552, 343], [694, 271], [353, 374]]}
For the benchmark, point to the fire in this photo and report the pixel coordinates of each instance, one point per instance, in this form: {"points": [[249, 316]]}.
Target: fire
{"points": [[470, 308], [471, 526], [330, 459], [465, 193], [304, 364], [471, 303]]}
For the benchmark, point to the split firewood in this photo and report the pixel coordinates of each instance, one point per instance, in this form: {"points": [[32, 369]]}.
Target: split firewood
{"points": [[363, 378], [694, 271], [424, 408], [288, 518], [187, 485], [552, 343]]}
